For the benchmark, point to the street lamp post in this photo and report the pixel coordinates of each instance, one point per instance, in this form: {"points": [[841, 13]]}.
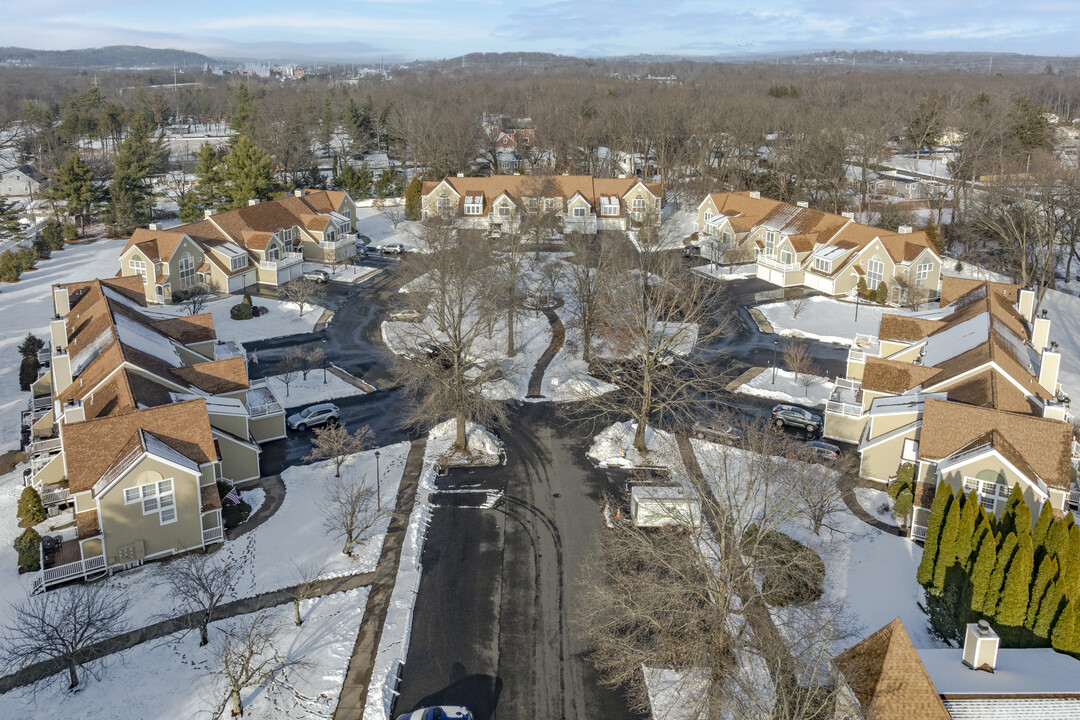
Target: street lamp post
{"points": [[378, 483], [775, 344]]}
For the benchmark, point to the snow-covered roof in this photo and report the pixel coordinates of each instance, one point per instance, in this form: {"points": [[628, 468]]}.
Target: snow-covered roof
{"points": [[163, 451], [897, 404], [229, 249], [832, 252], [956, 340], [1019, 671], [660, 493], [1013, 708], [147, 340], [116, 297]]}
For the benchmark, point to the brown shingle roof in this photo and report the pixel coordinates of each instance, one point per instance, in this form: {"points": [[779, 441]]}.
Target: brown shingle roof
{"points": [[894, 377], [188, 329], [888, 678], [91, 447], [1045, 444], [953, 288], [217, 376], [211, 498], [517, 187]]}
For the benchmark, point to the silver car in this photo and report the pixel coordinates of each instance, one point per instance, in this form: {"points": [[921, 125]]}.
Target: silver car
{"points": [[320, 414]]}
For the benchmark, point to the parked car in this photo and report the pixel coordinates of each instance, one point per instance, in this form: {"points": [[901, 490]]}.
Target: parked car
{"points": [[824, 450], [408, 315], [361, 251], [442, 712], [390, 248], [319, 276], [721, 433], [794, 416], [314, 415]]}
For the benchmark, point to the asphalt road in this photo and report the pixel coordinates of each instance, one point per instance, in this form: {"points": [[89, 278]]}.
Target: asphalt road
{"points": [[494, 626]]}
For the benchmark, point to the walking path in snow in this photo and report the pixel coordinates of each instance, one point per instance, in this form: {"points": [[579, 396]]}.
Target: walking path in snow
{"points": [[351, 379], [357, 678], [275, 495], [323, 321], [847, 492], [124, 641], [558, 336]]}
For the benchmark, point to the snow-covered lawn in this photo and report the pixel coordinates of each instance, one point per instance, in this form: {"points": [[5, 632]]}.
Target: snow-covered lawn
{"points": [[614, 447], [1064, 313], [727, 272], [970, 270], [872, 571], [254, 498], [313, 390], [824, 319], [786, 389], [345, 272], [484, 447], [876, 502], [175, 678], [282, 318], [380, 228], [28, 307]]}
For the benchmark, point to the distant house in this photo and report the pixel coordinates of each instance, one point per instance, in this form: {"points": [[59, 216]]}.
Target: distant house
{"points": [[899, 186], [261, 244], [584, 203], [25, 181], [378, 163]]}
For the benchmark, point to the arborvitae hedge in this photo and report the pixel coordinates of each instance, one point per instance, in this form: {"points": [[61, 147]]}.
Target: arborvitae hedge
{"points": [[30, 511]]}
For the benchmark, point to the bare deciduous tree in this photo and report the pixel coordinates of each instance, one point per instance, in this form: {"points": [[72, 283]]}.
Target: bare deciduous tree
{"points": [[289, 366], [194, 298], [335, 443], [913, 295], [202, 583], [312, 359], [796, 306], [246, 655], [798, 360], [349, 509], [586, 274], [307, 585], [301, 291], [61, 626]]}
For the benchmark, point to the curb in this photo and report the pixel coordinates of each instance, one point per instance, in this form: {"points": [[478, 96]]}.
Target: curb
{"points": [[744, 378], [759, 317], [351, 379]]}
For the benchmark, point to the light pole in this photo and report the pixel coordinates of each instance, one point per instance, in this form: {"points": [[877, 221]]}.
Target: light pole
{"points": [[775, 344], [378, 483], [858, 296]]}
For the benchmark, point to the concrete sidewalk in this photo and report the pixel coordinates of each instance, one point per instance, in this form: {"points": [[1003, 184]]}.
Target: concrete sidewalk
{"points": [[362, 663]]}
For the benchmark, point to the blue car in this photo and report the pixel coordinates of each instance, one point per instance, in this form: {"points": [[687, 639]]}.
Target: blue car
{"points": [[442, 712]]}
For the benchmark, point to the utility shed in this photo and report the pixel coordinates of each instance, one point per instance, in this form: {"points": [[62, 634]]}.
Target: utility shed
{"points": [[658, 505]]}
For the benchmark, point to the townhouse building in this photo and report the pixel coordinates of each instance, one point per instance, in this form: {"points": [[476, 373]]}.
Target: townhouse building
{"points": [[263, 244], [132, 425], [968, 393], [583, 203], [793, 245]]}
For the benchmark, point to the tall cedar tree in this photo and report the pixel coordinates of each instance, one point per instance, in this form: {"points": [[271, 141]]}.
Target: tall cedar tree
{"points": [[1012, 606], [1016, 517], [1042, 527], [247, 173], [413, 199], [1057, 538], [965, 533], [1069, 561], [209, 192], [1040, 590], [938, 507], [1063, 636], [946, 554], [982, 568], [997, 578], [1049, 609], [75, 187], [140, 156]]}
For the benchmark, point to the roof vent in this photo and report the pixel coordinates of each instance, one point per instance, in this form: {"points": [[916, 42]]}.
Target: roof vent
{"points": [[461, 174], [152, 226], [755, 194], [903, 230], [981, 646], [803, 204]]}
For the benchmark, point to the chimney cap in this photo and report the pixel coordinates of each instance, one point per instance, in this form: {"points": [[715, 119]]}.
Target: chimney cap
{"points": [[983, 627], [298, 192], [904, 230], [152, 226], [755, 194]]}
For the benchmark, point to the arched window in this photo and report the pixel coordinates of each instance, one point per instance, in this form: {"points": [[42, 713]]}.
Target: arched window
{"points": [[875, 272], [187, 270]]}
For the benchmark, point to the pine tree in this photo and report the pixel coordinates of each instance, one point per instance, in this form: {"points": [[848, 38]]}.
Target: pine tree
{"points": [[209, 191], [983, 565], [965, 533], [75, 187], [1017, 516], [242, 120], [9, 218], [247, 173], [1040, 590], [413, 199], [1057, 538], [946, 556], [140, 156], [942, 499], [997, 577], [1042, 527], [1063, 636]]}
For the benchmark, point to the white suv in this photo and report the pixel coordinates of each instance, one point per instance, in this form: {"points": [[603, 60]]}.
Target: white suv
{"points": [[312, 416]]}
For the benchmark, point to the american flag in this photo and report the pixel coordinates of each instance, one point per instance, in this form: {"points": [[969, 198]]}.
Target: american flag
{"points": [[233, 497]]}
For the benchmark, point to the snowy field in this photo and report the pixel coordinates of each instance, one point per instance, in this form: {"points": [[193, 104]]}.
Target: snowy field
{"points": [[614, 447], [825, 319], [175, 678], [282, 319], [345, 272], [27, 307], [292, 537], [313, 390], [787, 390]]}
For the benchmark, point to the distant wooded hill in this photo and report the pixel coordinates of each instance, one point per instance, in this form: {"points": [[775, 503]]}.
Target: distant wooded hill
{"points": [[113, 56]]}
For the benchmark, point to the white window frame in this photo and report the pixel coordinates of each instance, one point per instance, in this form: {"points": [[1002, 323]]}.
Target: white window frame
{"points": [[156, 497], [874, 268], [474, 208], [923, 271], [786, 256], [579, 211], [638, 204], [504, 210], [708, 216], [239, 262], [609, 209], [770, 243], [187, 271], [992, 496], [822, 265], [549, 204], [139, 266]]}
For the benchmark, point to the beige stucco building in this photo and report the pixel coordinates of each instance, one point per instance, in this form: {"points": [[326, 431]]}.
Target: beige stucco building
{"points": [[582, 203], [967, 393], [132, 425], [793, 245], [261, 244]]}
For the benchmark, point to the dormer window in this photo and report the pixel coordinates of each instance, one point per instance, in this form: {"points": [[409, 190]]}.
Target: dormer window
{"points": [[474, 204], [241, 261], [579, 211], [549, 204], [609, 206], [504, 210], [822, 265]]}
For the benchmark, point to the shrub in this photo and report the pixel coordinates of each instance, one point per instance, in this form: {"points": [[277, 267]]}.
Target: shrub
{"points": [[9, 267], [31, 511], [28, 546], [27, 259], [31, 345], [53, 235], [797, 572], [28, 372], [247, 299], [882, 292], [42, 249], [70, 232], [241, 311], [862, 287]]}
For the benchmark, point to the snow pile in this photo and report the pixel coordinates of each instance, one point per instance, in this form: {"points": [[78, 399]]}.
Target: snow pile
{"points": [[825, 319], [877, 503], [484, 447], [313, 390], [677, 694], [282, 318], [175, 677], [970, 270], [614, 447], [727, 272], [786, 389], [254, 498]]}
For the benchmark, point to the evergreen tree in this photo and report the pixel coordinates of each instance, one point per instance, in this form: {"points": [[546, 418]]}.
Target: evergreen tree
{"points": [[1040, 589], [983, 565], [946, 556], [139, 157], [414, 199], [997, 577], [1069, 561], [30, 511], [9, 218], [1042, 527], [242, 120], [247, 173], [53, 236], [75, 187], [1016, 517], [31, 345], [965, 533], [209, 190], [1063, 636], [938, 507], [355, 182]]}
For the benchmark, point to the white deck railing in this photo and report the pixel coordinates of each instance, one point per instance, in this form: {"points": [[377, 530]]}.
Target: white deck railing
{"points": [[771, 262], [60, 573], [53, 495], [843, 408], [288, 260], [211, 535], [264, 408], [44, 446]]}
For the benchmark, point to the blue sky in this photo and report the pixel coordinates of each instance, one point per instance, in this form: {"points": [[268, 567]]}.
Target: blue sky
{"points": [[409, 29]]}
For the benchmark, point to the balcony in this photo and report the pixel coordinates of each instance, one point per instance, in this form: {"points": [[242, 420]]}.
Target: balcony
{"points": [[846, 398], [68, 571], [344, 241], [288, 260], [262, 401], [864, 346], [771, 262], [212, 535], [53, 494], [225, 349], [39, 447]]}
